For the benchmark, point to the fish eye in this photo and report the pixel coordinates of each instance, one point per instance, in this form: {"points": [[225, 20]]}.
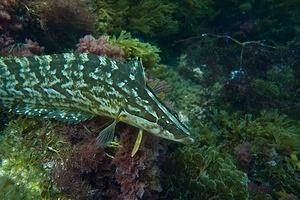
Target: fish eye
{"points": [[162, 124]]}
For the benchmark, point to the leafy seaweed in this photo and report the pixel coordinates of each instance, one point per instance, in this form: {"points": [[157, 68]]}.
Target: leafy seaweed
{"points": [[133, 47]]}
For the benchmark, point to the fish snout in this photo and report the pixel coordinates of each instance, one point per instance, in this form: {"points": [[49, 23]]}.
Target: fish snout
{"points": [[186, 140]]}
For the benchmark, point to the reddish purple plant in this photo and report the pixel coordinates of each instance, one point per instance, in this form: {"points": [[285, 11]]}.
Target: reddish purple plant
{"points": [[9, 26], [243, 154], [99, 46], [259, 188], [138, 176], [5, 41], [28, 49], [87, 172], [9, 23]]}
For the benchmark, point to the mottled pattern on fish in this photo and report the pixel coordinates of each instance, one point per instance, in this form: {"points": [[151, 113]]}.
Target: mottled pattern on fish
{"points": [[75, 87]]}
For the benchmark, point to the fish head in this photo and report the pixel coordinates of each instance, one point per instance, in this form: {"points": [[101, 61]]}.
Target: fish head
{"points": [[155, 117], [169, 125], [171, 128], [144, 110]]}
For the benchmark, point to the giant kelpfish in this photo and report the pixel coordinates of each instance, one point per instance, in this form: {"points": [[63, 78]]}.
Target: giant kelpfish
{"points": [[75, 87]]}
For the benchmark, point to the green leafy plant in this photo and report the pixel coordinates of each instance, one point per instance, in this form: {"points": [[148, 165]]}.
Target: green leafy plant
{"points": [[133, 47]]}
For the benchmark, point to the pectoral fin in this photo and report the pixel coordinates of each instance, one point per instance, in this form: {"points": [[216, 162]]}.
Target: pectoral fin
{"points": [[106, 135], [137, 142]]}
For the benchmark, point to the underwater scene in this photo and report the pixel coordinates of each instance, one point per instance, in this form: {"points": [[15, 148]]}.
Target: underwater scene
{"points": [[149, 100]]}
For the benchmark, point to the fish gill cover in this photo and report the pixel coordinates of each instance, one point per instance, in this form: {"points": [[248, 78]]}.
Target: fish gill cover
{"points": [[229, 70]]}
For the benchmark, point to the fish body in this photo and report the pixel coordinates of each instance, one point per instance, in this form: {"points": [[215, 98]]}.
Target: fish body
{"points": [[75, 87]]}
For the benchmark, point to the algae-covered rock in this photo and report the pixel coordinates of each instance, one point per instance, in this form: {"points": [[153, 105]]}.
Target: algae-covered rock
{"points": [[203, 173], [274, 142], [28, 150], [262, 146], [9, 190]]}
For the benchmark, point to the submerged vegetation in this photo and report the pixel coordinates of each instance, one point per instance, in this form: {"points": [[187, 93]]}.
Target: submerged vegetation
{"points": [[29, 149], [230, 69], [203, 172], [149, 18]]}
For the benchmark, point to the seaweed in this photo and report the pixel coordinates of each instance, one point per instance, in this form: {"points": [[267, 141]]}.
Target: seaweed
{"points": [[28, 151], [122, 47], [100, 46], [277, 130], [87, 171], [203, 173], [58, 25], [10, 190], [133, 47], [10, 24], [148, 18], [274, 140], [138, 176], [29, 48], [262, 146]]}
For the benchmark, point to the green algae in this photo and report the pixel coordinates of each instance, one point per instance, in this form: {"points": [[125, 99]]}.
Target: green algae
{"points": [[201, 170], [133, 47], [28, 152], [203, 173], [9, 190], [274, 140], [269, 127], [148, 17]]}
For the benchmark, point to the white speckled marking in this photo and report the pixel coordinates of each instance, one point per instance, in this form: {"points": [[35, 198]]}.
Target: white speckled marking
{"points": [[23, 62], [53, 93], [134, 92], [133, 108], [97, 75], [121, 84], [114, 93], [131, 76], [114, 65], [69, 57], [80, 67], [32, 92], [84, 57], [97, 89], [108, 75], [102, 60]]}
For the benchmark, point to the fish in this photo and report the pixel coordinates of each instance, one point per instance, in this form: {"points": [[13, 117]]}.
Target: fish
{"points": [[75, 87]]}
